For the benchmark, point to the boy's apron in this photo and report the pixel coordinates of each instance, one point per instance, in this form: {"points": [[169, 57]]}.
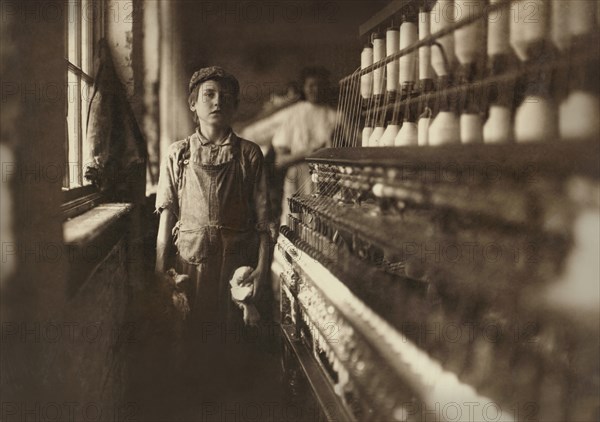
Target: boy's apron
{"points": [[214, 236]]}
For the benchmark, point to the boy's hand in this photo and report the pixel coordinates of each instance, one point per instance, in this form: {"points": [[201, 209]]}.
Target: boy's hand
{"points": [[258, 278]]}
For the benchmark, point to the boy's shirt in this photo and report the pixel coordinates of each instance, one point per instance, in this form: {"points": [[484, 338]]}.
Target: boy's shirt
{"points": [[205, 153]]}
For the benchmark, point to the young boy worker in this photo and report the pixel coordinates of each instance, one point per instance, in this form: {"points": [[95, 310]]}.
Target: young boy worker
{"points": [[212, 199]]}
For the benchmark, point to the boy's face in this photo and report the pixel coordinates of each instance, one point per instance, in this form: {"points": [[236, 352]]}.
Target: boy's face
{"points": [[215, 105]]}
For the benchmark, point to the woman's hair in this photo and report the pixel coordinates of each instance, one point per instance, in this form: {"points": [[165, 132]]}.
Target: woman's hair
{"points": [[318, 72], [322, 75]]}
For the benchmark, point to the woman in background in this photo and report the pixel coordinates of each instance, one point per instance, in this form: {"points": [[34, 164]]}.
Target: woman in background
{"points": [[309, 127]]}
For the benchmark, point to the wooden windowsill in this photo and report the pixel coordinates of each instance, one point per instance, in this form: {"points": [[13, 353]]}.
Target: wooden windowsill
{"points": [[90, 237], [86, 227]]}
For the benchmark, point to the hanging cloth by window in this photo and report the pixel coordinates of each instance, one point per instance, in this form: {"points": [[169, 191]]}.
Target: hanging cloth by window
{"points": [[117, 144]]}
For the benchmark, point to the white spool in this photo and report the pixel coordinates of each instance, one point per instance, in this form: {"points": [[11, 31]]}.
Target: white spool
{"points": [[498, 32], [444, 129], [408, 135], [378, 74], [388, 137], [578, 116], [366, 81], [425, 70], [376, 136], [442, 15], [559, 31], [408, 36], [471, 128], [529, 27], [366, 134], [517, 39], [536, 25], [535, 120], [391, 47], [468, 38], [582, 16], [498, 127]]}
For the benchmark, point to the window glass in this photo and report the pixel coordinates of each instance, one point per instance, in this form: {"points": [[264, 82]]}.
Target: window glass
{"points": [[82, 30]]}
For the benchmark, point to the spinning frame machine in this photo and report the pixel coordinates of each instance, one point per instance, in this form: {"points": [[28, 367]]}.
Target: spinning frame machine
{"points": [[419, 282]]}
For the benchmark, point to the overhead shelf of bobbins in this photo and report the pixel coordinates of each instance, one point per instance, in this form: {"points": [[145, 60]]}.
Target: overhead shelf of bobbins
{"points": [[445, 72]]}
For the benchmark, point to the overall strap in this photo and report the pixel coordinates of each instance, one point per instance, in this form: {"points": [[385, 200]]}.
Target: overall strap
{"points": [[183, 158]]}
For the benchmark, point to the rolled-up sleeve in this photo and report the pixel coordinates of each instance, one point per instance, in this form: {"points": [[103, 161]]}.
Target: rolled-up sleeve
{"points": [[166, 193], [260, 194]]}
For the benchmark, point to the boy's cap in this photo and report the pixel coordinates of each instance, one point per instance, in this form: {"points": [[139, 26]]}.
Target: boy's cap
{"points": [[214, 73]]}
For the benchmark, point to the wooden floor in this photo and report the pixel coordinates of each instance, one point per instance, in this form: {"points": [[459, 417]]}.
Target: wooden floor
{"points": [[165, 385]]}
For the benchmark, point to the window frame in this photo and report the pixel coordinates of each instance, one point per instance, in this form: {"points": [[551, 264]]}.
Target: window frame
{"points": [[78, 196]]}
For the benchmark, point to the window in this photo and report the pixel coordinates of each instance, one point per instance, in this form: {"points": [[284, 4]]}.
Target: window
{"points": [[84, 26]]}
